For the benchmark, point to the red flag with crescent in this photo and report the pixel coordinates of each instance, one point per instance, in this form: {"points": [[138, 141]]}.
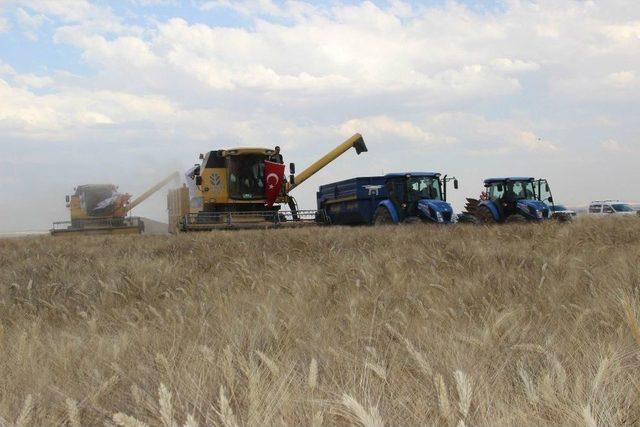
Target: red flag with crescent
{"points": [[273, 174]]}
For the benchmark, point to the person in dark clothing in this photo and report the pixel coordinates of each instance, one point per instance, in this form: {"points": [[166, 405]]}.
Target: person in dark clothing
{"points": [[277, 157]]}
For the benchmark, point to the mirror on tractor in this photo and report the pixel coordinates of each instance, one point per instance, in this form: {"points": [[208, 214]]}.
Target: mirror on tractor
{"points": [[546, 186], [292, 168], [66, 198], [550, 199], [201, 156], [455, 183], [198, 180]]}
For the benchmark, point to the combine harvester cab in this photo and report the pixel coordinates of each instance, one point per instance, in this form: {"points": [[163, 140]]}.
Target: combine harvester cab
{"points": [[512, 199], [389, 199], [228, 190], [100, 209]]}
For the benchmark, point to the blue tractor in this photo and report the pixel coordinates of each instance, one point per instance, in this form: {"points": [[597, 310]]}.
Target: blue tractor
{"points": [[388, 199], [510, 199]]}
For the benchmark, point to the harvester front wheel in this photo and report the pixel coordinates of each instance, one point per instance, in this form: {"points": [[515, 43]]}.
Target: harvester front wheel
{"points": [[382, 216]]}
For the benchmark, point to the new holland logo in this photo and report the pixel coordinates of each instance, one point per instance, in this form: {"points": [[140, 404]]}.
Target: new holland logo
{"points": [[215, 180]]}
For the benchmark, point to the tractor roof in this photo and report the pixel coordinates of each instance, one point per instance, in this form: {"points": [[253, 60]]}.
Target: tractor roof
{"points": [[416, 174], [508, 178]]}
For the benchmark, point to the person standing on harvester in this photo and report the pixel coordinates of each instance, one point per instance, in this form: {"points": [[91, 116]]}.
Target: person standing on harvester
{"points": [[277, 157]]}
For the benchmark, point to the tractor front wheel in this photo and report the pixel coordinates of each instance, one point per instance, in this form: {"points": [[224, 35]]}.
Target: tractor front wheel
{"points": [[515, 218], [382, 216]]}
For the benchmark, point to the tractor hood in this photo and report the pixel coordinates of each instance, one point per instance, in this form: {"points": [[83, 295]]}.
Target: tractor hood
{"points": [[534, 209], [435, 210]]}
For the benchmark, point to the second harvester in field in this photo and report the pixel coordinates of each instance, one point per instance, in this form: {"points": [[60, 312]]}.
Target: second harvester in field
{"points": [[101, 209], [244, 188]]}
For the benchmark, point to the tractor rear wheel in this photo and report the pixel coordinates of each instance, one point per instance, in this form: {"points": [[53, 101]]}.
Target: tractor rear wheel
{"points": [[484, 215], [382, 216]]}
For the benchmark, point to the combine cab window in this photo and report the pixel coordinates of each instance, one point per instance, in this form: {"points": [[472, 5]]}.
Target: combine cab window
{"points": [[595, 208], [246, 176], [424, 188], [90, 197]]}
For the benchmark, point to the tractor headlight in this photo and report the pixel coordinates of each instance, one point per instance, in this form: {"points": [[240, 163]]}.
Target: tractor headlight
{"points": [[539, 214], [439, 216]]}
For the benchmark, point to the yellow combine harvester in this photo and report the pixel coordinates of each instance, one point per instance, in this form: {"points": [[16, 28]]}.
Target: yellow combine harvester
{"points": [[227, 191], [100, 209]]}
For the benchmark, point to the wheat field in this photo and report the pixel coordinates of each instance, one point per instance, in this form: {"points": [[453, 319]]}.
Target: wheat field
{"points": [[409, 325]]}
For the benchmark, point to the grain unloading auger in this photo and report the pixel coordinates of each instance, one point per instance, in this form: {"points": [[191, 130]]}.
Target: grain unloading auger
{"points": [[227, 190], [100, 209]]}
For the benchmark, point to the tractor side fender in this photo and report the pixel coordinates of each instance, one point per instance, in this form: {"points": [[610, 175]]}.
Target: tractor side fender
{"points": [[491, 205], [392, 210]]}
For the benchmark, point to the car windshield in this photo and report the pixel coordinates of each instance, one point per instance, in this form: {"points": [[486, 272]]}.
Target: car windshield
{"points": [[622, 207], [424, 188], [246, 175]]}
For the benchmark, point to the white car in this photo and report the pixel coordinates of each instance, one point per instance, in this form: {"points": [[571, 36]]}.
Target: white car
{"points": [[610, 207]]}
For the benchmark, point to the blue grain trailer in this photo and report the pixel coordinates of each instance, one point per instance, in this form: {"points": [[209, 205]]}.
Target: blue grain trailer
{"points": [[388, 199]]}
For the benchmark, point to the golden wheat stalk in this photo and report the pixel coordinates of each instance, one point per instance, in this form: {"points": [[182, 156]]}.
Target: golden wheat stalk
{"points": [[312, 380], [166, 408], [26, 414], [72, 412], [465, 389], [227, 417], [443, 396], [360, 415], [125, 420]]}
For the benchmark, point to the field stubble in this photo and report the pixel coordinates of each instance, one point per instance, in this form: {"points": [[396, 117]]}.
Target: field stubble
{"points": [[409, 325]]}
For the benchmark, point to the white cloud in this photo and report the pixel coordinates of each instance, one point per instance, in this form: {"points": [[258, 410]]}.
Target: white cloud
{"points": [[33, 81], [29, 23], [621, 79], [4, 24], [387, 130]]}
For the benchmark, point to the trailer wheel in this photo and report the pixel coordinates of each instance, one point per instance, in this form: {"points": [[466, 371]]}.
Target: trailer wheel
{"points": [[382, 216]]}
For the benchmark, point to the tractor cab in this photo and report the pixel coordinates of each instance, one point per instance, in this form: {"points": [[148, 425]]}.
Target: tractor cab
{"points": [[419, 194], [515, 198]]}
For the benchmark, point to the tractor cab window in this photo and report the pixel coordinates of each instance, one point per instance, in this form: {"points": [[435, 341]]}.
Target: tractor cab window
{"points": [[423, 188], [518, 190], [246, 176], [544, 192], [495, 191]]}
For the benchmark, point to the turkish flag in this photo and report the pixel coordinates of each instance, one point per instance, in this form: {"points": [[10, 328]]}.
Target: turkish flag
{"points": [[273, 174]]}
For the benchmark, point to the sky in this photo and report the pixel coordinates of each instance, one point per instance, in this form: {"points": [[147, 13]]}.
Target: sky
{"points": [[128, 91]]}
